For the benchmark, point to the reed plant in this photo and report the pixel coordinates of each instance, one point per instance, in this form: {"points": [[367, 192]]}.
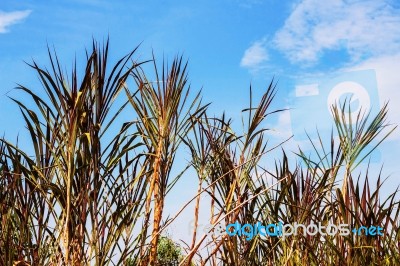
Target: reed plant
{"points": [[91, 185]]}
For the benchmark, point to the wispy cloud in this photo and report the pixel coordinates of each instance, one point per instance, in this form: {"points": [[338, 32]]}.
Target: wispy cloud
{"points": [[255, 55], [362, 28], [282, 128], [9, 18]]}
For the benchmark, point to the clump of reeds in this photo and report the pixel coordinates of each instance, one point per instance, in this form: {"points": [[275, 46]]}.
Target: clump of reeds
{"points": [[91, 189]]}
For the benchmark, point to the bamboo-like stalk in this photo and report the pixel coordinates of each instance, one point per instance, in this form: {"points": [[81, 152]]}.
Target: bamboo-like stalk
{"points": [[158, 205], [87, 190], [165, 118]]}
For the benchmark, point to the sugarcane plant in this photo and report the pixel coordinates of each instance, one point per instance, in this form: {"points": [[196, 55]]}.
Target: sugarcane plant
{"points": [[90, 185]]}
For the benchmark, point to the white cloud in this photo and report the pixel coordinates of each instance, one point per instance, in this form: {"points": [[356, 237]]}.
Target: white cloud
{"points": [[362, 28], [255, 55], [306, 90], [282, 129], [9, 18]]}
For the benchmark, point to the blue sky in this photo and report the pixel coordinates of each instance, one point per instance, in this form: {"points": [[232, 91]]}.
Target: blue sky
{"points": [[311, 47]]}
